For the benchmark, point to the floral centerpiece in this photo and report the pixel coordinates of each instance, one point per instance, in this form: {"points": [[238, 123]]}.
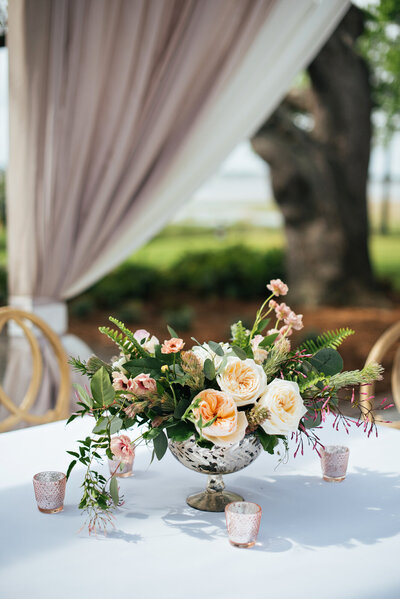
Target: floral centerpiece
{"points": [[214, 393]]}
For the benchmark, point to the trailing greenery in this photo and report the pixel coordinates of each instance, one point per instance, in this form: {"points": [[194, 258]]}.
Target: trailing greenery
{"points": [[332, 339]]}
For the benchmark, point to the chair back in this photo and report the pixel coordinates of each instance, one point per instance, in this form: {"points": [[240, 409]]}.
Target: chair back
{"points": [[21, 413], [377, 353]]}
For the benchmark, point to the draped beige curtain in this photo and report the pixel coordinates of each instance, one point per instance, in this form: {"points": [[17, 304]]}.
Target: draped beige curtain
{"points": [[113, 101]]}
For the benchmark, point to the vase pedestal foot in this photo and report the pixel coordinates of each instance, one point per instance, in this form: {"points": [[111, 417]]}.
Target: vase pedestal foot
{"points": [[214, 498]]}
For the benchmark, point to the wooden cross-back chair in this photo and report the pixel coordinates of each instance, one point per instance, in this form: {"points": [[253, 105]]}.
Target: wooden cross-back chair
{"points": [[385, 342], [20, 413]]}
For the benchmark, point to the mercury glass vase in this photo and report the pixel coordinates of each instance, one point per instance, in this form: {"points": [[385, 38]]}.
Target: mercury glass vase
{"points": [[215, 462]]}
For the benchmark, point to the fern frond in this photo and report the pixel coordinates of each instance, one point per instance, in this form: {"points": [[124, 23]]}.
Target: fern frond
{"points": [[124, 344], [78, 365], [328, 339], [312, 379], [129, 335]]}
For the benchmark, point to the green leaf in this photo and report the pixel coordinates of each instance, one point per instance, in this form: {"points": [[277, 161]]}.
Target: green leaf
{"points": [[328, 361], [140, 362], [72, 417], [181, 408], [172, 332], [268, 340], [114, 490], [72, 464], [102, 390], [160, 444], [209, 369], [239, 352], [269, 442], [180, 431], [84, 395], [216, 348], [262, 324], [100, 426], [116, 424]]}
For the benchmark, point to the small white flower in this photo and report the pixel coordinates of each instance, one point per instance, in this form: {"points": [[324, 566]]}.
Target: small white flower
{"points": [[204, 351], [119, 364]]}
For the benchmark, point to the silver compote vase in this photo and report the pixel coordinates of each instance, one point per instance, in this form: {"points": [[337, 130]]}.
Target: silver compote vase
{"points": [[215, 462]]}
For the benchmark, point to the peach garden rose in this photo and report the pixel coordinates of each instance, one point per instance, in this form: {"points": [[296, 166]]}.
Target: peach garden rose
{"points": [[285, 407], [244, 380], [229, 426]]}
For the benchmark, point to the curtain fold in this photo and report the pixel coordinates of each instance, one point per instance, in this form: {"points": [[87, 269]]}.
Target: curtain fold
{"points": [[120, 110]]}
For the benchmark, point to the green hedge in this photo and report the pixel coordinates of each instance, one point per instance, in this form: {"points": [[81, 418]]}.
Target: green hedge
{"points": [[235, 272]]}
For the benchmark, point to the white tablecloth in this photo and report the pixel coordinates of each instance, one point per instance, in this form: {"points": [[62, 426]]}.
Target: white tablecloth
{"points": [[316, 539]]}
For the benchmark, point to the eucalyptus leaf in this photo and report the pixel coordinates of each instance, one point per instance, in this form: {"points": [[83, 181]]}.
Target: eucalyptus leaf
{"points": [[102, 390], [328, 361], [240, 353], [216, 348], [114, 490], [209, 369], [172, 332]]}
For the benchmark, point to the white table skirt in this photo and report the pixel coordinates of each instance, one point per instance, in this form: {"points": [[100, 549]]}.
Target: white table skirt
{"points": [[317, 539]]}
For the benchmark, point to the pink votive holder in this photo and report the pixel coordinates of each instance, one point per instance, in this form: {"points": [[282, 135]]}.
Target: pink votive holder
{"points": [[49, 490], [243, 522], [334, 461], [120, 468]]}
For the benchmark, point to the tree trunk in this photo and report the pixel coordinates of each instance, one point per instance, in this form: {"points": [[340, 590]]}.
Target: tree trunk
{"points": [[317, 145]]}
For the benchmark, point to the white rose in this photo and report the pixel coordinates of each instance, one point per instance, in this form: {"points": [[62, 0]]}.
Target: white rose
{"points": [[285, 406], [204, 351], [244, 380]]}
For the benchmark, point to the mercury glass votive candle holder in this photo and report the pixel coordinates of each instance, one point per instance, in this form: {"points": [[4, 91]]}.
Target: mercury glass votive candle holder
{"points": [[243, 522], [49, 490], [334, 461], [119, 468]]}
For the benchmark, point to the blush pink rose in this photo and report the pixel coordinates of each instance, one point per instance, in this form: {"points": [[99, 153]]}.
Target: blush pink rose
{"points": [[142, 384], [120, 381], [122, 448], [172, 346], [278, 287]]}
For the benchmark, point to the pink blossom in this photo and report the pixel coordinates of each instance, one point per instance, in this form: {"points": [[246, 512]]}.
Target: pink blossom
{"points": [[142, 384], [272, 332], [273, 304], [141, 335], [282, 310], [285, 330], [122, 448], [278, 287], [294, 320], [120, 381], [147, 340], [259, 353], [172, 346]]}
